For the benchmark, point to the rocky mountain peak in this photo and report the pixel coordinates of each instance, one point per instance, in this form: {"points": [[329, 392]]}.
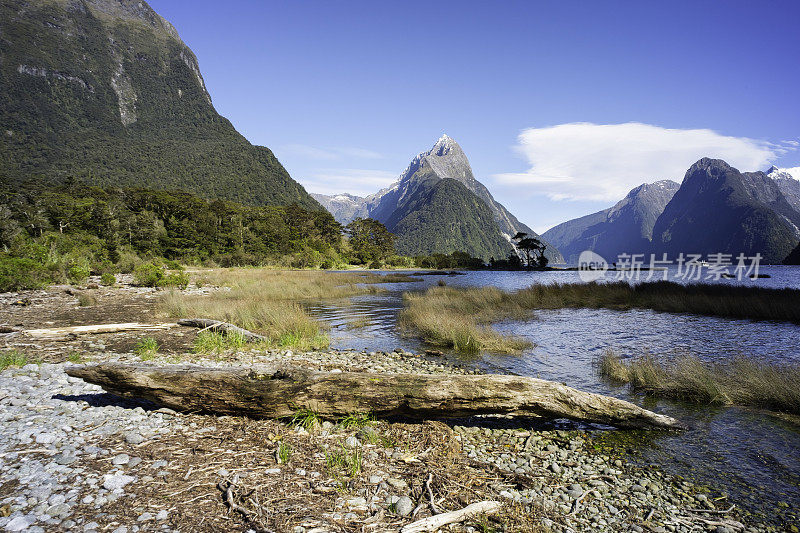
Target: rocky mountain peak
{"points": [[134, 10]]}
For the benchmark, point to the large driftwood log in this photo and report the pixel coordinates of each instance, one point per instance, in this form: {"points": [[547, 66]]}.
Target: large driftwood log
{"points": [[216, 325], [94, 329], [269, 391]]}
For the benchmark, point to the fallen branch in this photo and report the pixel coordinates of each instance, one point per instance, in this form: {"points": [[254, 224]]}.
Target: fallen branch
{"points": [[430, 493], [220, 327], [280, 391], [432, 523], [94, 329]]}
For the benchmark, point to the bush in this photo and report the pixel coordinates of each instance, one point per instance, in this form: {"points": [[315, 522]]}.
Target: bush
{"points": [[146, 348], [376, 265], [175, 279], [148, 274], [77, 274], [107, 278], [18, 273]]}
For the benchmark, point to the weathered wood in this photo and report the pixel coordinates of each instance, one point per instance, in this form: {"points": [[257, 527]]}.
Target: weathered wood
{"points": [[224, 327], [94, 329], [436, 522], [270, 391]]}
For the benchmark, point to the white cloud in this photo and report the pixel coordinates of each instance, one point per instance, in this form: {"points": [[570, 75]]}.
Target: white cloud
{"points": [[327, 153], [361, 182], [602, 162]]}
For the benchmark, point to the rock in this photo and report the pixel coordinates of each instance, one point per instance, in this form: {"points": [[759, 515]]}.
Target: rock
{"points": [[162, 515], [45, 438], [554, 468], [121, 459], [144, 517], [121, 529], [21, 523], [375, 480], [352, 442], [116, 481], [133, 437], [404, 506]]}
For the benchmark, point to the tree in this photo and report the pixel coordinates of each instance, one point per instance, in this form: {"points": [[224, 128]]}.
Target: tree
{"points": [[370, 240], [533, 249]]}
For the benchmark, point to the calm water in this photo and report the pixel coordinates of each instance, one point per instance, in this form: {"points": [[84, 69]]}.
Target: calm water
{"points": [[747, 454]]}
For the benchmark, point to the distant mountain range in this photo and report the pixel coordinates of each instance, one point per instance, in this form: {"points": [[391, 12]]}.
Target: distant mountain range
{"points": [[437, 206], [105, 92], [716, 209], [627, 227]]}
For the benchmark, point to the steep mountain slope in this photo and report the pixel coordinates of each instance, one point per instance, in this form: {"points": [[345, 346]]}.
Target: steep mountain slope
{"points": [[106, 92], [719, 209], [344, 207], [446, 160], [794, 257], [443, 216], [788, 184], [627, 227]]}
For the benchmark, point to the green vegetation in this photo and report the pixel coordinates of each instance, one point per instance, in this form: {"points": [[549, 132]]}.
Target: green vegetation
{"points": [[344, 462], [146, 348], [107, 278], [740, 381], [212, 342], [284, 453], [61, 111], [370, 241], [356, 420], [12, 358], [306, 419], [17, 273], [74, 357]]}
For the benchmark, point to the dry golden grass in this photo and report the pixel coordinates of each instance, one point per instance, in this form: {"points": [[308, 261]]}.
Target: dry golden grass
{"points": [[460, 318], [739, 381], [270, 302]]}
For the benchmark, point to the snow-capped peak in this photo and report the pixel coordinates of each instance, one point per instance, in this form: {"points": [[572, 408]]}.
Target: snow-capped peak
{"points": [[784, 173]]}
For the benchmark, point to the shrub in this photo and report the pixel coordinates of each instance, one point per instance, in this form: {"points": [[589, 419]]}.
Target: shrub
{"points": [[175, 279], [148, 274], [86, 300], [107, 278], [18, 273], [128, 261], [376, 265], [77, 274]]}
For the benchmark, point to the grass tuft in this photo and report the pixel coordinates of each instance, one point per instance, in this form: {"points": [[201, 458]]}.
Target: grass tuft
{"points": [[738, 381], [344, 463], [306, 419], [356, 420], [75, 357], [284, 453], [86, 300], [146, 348], [13, 358]]}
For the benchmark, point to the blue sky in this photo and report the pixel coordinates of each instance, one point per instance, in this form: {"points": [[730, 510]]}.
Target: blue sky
{"points": [[561, 106]]}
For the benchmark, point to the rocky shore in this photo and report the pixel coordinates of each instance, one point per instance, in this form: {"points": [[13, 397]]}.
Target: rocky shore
{"points": [[73, 458]]}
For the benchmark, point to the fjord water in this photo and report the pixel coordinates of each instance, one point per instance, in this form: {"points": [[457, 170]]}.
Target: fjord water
{"points": [[748, 454]]}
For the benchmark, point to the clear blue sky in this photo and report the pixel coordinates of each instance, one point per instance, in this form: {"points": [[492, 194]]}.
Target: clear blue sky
{"points": [[346, 93]]}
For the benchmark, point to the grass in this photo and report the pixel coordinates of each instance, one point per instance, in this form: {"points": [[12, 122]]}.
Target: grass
{"points": [[356, 420], [74, 357], [271, 302], [13, 358], [460, 318], [146, 348], [86, 300], [306, 419], [738, 381], [212, 342], [344, 462], [284, 453]]}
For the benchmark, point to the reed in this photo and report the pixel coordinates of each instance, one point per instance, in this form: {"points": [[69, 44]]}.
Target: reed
{"points": [[269, 302], [738, 381]]}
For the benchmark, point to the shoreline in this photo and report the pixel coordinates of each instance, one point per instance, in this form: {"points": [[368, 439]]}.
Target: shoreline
{"points": [[117, 453]]}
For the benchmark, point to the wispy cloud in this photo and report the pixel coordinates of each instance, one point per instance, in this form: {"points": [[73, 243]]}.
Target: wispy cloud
{"points": [[328, 153], [361, 182], [602, 162]]}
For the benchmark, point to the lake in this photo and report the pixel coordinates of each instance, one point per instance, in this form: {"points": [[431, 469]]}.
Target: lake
{"points": [[747, 454]]}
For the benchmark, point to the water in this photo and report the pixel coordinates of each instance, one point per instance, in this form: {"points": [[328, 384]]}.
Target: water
{"points": [[750, 455]]}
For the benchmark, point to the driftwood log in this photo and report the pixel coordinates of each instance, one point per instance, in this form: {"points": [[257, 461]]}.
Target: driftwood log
{"points": [[272, 392], [94, 329], [221, 327]]}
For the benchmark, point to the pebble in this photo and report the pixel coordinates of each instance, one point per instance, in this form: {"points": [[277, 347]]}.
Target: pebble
{"points": [[404, 506]]}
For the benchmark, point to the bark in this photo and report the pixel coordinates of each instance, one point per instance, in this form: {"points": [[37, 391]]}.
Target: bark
{"points": [[436, 522], [216, 325], [94, 329], [272, 391]]}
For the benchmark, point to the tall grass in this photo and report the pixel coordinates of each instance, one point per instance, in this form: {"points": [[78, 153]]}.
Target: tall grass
{"points": [[740, 381], [270, 302], [12, 358], [460, 318]]}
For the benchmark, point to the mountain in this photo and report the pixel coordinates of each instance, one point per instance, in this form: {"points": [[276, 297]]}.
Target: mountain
{"points": [[794, 257], [721, 210], [396, 207], [344, 207], [627, 227], [105, 91], [788, 183]]}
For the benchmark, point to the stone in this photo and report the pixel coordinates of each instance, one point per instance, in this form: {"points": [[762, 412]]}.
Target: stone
{"points": [[144, 517], [554, 468], [352, 442], [121, 459], [21, 523], [133, 437], [404, 506], [116, 481], [162, 515]]}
